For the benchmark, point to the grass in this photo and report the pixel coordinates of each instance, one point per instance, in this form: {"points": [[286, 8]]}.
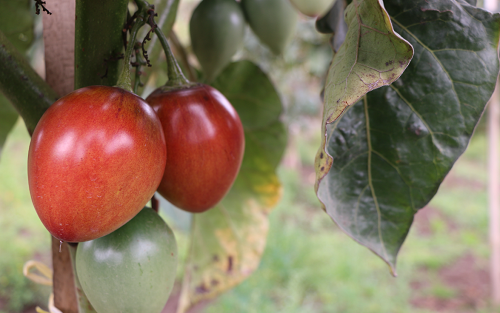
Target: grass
{"points": [[23, 235], [309, 265]]}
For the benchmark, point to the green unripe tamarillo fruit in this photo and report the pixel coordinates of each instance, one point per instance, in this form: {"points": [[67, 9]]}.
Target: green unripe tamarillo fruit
{"points": [[273, 21], [217, 29], [132, 269], [313, 8]]}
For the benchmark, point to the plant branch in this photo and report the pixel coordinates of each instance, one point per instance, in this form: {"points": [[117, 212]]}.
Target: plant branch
{"points": [[124, 80], [139, 62], [26, 90]]}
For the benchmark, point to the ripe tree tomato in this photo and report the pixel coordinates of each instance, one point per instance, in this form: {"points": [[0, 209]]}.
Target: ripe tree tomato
{"points": [[96, 157], [205, 141]]}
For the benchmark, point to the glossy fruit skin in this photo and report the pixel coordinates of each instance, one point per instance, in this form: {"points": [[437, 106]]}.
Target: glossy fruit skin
{"points": [[132, 269], [96, 157], [217, 30], [206, 142], [313, 8], [273, 21]]}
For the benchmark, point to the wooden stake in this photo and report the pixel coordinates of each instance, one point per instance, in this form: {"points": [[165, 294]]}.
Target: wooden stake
{"points": [[494, 182], [59, 40], [493, 195]]}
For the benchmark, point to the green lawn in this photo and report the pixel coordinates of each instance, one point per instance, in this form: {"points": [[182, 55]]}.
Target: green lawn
{"points": [[309, 264]]}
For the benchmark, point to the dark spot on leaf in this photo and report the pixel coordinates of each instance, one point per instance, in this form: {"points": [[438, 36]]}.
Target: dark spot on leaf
{"points": [[321, 155], [322, 168], [215, 258], [229, 263], [214, 282], [202, 289]]}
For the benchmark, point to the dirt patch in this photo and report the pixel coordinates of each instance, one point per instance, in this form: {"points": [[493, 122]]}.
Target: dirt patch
{"points": [[452, 180], [467, 280], [425, 217]]}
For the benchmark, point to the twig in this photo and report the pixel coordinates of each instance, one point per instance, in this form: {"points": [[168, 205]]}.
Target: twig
{"points": [[38, 4]]}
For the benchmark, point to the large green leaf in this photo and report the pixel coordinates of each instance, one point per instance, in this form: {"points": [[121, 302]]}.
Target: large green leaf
{"points": [[372, 55], [392, 150], [228, 241]]}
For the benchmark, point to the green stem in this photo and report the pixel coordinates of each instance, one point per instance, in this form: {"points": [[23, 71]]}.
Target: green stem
{"points": [[30, 95], [84, 305], [124, 80], [98, 41], [175, 75]]}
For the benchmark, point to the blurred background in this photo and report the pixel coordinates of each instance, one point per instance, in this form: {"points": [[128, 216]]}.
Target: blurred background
{"points": [[309, 264]]}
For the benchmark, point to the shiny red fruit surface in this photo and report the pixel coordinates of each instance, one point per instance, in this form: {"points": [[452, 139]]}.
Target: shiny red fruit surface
{"points": [[96, 157], [205, 141]]}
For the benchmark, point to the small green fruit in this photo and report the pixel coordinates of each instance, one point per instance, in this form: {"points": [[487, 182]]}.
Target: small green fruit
{"points": [[273, 21], [217, 30], [313, 8], [132, 269]]}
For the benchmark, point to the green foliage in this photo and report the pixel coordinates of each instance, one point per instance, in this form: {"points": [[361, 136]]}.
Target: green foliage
{"points": [[17, 24], [392, 150]]}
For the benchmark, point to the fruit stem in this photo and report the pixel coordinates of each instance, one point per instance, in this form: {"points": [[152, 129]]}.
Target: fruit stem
{"points": [[124, 80], [175, 75]]}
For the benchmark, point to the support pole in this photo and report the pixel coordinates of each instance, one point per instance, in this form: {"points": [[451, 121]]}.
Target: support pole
{"points": [[494, 182], [493, 195], [59, 41]]}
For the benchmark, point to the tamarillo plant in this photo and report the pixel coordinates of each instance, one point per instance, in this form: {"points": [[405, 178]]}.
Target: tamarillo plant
{"points": [[403, 94]]}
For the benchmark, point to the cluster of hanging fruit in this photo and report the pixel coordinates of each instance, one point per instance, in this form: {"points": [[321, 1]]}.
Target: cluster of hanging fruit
{"points": [[98, 155], [217, 27]]}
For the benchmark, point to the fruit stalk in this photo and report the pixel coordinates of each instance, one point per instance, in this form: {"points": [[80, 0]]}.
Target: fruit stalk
{"points": [[175, 75]]}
